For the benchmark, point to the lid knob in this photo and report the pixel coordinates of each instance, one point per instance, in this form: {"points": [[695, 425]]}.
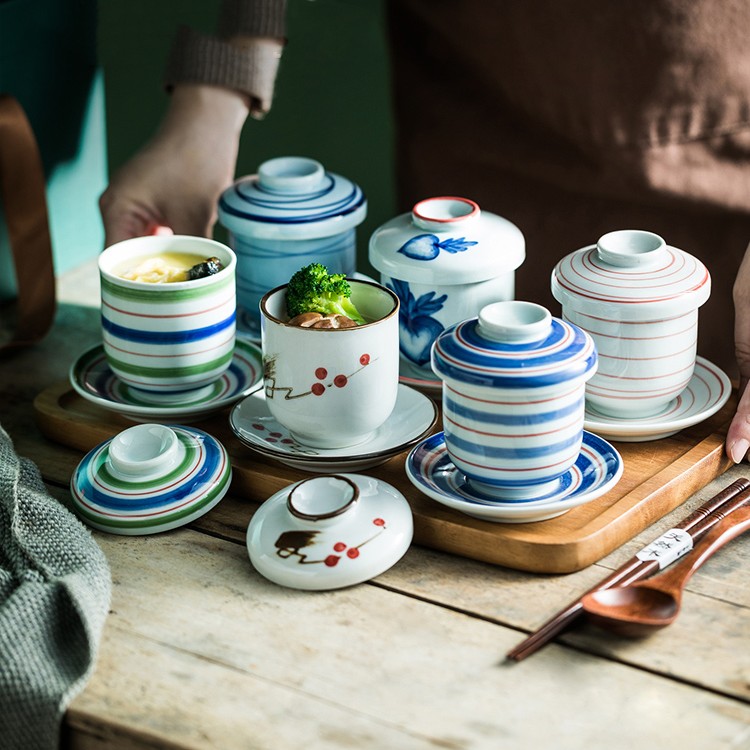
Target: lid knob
{"points": [[630, 248], [291, 174], [322, 498], [515, 322], [144, 451], [443, 214]]}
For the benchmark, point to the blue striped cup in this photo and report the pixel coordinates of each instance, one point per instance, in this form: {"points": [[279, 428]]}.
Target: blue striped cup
{"points": [[513, 397], [292, 213], [170, 337]]}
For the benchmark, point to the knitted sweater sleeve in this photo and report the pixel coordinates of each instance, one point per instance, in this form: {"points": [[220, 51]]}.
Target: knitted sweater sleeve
{"points": [[243, 55]]}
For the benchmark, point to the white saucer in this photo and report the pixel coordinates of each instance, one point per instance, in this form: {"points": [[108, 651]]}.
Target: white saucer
{"points": [[339, 531], [413, 417], [92, 378], [708, 390], [597, 469], [420, 378]]}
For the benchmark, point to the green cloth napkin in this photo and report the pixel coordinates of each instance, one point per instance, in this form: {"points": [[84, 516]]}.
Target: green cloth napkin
{"points": [[55, 591]]}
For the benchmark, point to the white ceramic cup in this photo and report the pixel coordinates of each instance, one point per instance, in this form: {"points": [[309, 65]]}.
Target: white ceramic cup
{"points": [[332, 388], [638, 298], [167, 337]]}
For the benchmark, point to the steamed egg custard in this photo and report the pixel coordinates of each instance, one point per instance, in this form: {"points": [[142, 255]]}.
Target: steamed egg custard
{"points": [[169, 267]]}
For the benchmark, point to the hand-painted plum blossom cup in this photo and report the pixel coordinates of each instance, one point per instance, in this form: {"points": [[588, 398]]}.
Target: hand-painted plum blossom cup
{"points": [[514, 383], [161, 335], [332, 387]]}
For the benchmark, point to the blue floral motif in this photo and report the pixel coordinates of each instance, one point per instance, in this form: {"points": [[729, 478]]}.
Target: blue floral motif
{"points": [[428, 246], [418, 329]]}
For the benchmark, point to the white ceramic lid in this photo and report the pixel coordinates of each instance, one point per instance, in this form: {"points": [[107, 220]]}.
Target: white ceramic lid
{"points": [[293, 198], [514, 344], [631, 275], [150, 478], [328, 532], [447, 240]]}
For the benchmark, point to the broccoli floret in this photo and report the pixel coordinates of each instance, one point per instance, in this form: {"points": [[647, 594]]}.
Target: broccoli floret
{"points": [[314, 289]]}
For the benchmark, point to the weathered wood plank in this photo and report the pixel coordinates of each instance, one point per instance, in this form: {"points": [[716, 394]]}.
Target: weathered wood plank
{"points": [[199, 651], [717, 600]]}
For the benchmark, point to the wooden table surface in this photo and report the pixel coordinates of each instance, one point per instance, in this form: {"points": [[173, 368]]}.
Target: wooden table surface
{"points": [[199, 651]]}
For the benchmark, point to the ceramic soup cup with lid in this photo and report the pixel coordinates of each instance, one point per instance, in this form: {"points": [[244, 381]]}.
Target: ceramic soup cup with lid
{"points": [[445, 260], [514, 397], [638, 298], [291, 213], [332, 387]]}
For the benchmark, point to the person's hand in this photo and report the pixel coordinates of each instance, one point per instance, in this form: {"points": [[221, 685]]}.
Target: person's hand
{"points": [[173, 183], [738, 436]]}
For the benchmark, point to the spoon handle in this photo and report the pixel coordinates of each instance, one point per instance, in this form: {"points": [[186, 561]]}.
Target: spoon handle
{"points": [[676, 576], [697, 523]]}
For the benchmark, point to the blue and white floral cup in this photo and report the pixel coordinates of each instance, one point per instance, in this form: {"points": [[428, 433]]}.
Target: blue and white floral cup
{"points": [[292, 213], [513, 397], [445, 260]]}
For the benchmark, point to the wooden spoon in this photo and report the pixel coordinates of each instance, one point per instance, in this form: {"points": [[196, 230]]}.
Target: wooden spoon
{"points": [[643, 607]]}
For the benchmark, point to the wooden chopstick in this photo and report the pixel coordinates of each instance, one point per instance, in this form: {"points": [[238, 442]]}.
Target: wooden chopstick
{"points": [[696, 524]]}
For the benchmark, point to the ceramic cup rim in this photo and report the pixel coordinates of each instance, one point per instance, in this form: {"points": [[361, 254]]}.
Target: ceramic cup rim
{"points": [[263, 306], [105, 261]]}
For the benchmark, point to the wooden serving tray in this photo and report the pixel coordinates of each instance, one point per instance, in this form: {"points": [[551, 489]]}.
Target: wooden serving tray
{"points": [[658, 476]]}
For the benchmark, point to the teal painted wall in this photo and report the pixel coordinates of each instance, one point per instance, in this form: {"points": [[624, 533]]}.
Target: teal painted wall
{"points": [[332, 96]]}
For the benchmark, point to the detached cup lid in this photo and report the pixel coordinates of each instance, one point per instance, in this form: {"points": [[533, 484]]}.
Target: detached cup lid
{"points": [[514, 344], [631, 275], [447, 240], [330, 531], [293, 198], [150, 478]]}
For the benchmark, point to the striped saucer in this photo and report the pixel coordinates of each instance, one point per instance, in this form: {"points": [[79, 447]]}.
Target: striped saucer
{"points": [[92, 378], [158, 497], [597, 470]]}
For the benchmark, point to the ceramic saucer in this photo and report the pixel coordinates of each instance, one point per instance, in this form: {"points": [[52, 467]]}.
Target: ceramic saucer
{"points": [[420, 378], [150, 478], [330, 531], [92, 378], [412, 418], [597, 469], [708, 390]]}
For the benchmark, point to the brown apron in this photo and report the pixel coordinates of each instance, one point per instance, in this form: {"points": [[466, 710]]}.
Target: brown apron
{"points": [[576, 118]]}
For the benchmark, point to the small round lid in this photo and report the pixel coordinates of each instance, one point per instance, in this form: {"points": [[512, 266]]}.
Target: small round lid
{"points": [[150, 478], [514, 344], [328, 532], [447, 240], [631, 275], [292, 197]]}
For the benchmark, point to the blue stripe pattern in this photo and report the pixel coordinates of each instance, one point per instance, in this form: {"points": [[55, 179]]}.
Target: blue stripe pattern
{"points": [[462, 354], [515, 452], [166, 337], [250, 200], [209, 466], [510, 419]]}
